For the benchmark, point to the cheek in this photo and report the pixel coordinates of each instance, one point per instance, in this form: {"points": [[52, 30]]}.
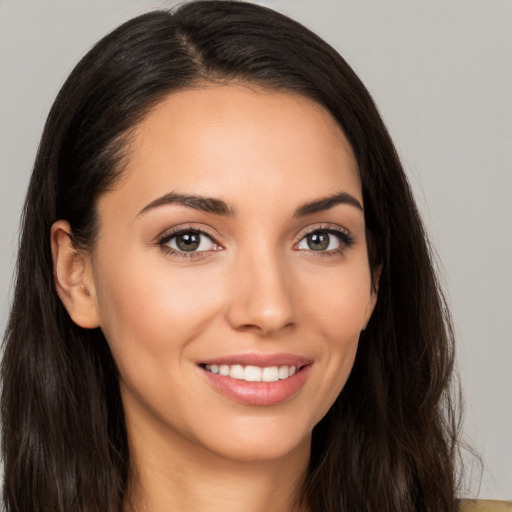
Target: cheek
{"points": [[150, 317], [146, 308], [339, 313], [339, 301]]}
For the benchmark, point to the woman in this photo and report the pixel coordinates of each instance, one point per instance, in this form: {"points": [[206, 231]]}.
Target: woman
{"points": [[242, 311]]}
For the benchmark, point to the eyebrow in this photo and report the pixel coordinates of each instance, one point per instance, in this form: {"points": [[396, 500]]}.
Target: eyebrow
{"points": [[220, 207], [320, 205], [205, 204]]}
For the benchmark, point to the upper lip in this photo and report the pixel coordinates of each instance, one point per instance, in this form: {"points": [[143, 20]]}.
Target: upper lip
{"points": [[262, 360]]}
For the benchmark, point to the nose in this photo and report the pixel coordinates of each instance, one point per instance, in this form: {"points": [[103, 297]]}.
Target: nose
{"points": [[261, 296]]}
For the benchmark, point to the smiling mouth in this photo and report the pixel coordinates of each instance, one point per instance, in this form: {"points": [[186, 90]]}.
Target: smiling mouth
{"points": [[262, 380], [251, 373]]}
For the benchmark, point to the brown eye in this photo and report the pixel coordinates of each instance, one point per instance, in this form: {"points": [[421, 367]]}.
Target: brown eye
{"points": [[190, 241], [325, 240], [318, 241]]}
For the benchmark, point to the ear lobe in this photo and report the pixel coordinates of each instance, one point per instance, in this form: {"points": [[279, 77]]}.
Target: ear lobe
{"points": [[377, 271], [374, 292], [72, 273]]}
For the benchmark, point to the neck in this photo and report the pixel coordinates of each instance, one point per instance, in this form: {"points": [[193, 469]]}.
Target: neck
{"points": [[181, 476]]}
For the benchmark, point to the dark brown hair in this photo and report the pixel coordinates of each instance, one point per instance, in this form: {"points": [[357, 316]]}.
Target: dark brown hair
{"points": [[389, 441]]}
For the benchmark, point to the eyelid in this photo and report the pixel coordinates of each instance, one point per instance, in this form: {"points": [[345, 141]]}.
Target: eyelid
{"points": [[326, 226], [183, 228]]}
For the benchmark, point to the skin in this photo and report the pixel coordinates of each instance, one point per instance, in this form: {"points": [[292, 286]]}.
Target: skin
{"points": [[258, 288]]}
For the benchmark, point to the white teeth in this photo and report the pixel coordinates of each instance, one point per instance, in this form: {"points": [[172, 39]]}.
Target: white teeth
{"points": [[236, 371], [253, 373], [283, 372], [270, 374]]}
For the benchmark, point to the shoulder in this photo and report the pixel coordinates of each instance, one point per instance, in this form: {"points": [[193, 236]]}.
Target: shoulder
{"points": [[485, 506]]}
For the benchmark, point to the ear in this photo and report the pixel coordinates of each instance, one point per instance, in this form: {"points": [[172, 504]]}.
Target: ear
{"points": [[374, 292], [72, 273]]}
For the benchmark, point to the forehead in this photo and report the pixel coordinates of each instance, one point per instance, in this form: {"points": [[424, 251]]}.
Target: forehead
{"points": [[222, 140]]}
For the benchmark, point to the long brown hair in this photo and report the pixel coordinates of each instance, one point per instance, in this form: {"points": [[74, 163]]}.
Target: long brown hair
{"points": [[389, 441]]}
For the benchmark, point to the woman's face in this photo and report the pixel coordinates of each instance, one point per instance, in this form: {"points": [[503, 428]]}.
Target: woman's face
{"points": [[230, 274]]}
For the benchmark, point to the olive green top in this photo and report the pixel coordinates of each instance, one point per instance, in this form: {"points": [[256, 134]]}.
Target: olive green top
{"points": [[485, 506]]}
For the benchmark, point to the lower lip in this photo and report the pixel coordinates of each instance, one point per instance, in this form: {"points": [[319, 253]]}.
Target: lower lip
{"points": [[258, 393]]}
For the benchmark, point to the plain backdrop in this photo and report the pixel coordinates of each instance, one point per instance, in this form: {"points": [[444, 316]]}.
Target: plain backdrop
{"points": [[441, 74]]}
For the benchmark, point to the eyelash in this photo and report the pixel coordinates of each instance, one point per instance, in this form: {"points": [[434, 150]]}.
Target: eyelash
{"points": [[345, 238], [164, 240]]}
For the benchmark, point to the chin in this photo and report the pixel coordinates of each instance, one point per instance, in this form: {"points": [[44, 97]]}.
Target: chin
{"points": [[259, 443]]}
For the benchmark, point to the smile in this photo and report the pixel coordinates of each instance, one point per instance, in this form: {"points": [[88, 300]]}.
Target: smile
{"points": [[257, 379], [252, 373]]}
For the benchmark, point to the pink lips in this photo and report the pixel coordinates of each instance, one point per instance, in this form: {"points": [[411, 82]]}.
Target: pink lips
{"points": [[259, 393]]}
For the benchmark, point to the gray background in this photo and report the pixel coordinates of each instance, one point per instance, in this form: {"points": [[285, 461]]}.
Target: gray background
{"points": [[441, 74]]}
